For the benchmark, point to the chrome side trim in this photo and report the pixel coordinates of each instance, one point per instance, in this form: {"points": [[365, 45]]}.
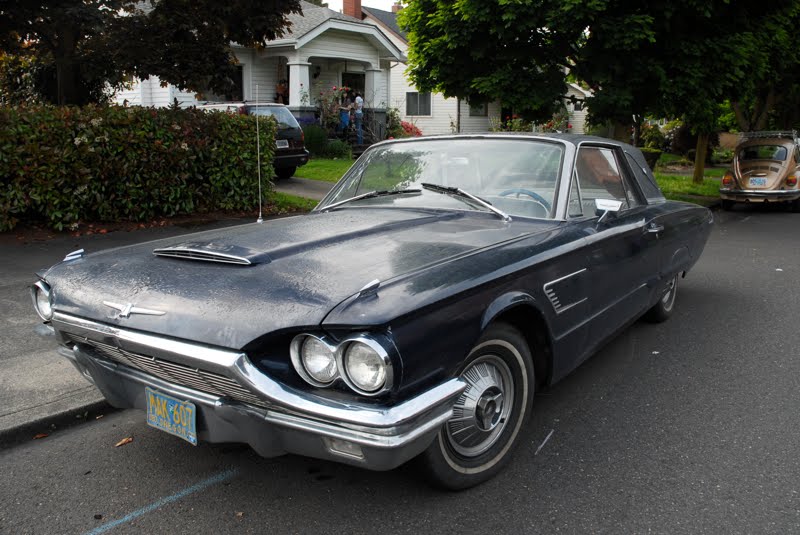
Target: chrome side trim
{"points": [[188, 253]]}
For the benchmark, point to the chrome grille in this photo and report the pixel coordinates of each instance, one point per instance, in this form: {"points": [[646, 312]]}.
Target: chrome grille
{"points": [[179, 374]]}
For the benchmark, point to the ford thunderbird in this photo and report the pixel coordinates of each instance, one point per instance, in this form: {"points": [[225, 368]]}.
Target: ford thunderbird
{"points": [[412, 314]]}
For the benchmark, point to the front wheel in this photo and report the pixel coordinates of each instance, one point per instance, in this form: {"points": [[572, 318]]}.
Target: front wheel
{"points": [[663, 309], [477, 441]]}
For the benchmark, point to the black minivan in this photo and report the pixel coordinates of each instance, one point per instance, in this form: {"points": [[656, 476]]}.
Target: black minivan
{"points": [[290, 150]]}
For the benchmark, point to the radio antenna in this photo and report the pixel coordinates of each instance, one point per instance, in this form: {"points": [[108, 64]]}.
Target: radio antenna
{"points": [[258, 160]]}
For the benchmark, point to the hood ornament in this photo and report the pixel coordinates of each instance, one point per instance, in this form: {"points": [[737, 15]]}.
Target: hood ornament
{"points": [[127, 309]]}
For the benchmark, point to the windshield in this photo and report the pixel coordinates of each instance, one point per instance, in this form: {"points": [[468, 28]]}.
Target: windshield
{"points": [[763, 152], [517, 176], [282, 115]]}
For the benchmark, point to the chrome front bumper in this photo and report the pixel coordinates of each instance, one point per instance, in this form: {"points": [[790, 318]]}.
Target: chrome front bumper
{"points": [[286, 420], [756, 195]]}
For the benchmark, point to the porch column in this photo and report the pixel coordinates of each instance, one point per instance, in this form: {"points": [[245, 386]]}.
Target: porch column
{"points": [[372, 90], [298, 74]]}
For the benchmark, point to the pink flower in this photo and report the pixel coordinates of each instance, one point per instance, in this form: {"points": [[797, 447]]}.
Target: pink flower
{"points": [[569, 125], [334, 88]]}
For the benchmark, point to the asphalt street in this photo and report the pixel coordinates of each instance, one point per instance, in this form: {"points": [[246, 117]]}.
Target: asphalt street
{"points": [[690, 426]]}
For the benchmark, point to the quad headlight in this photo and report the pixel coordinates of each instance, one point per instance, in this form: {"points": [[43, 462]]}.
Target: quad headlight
{"points": [[314, 359], [361, 362], [365, 366], [42, 300]]}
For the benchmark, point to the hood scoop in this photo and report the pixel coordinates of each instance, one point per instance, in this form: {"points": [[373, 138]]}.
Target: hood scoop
{"points": [[214, 252]]}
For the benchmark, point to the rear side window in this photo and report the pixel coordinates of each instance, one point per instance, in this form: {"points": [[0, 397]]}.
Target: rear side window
{"points": [[282, 115], [598, 175]]}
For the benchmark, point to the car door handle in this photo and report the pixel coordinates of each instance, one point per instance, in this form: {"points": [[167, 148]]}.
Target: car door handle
{"points": [[654, 229]]}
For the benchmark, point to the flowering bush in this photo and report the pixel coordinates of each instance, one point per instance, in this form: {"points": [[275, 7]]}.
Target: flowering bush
{"points": [[410, 129], [329, 102], [559, 122]]}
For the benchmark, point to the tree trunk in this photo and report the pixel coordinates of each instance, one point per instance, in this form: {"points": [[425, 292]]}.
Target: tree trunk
{"points": [[637, 130], [700, 157], [66, 71]]}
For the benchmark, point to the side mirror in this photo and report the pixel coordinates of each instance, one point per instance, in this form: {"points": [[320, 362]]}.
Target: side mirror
{"points": [[603, 207]]}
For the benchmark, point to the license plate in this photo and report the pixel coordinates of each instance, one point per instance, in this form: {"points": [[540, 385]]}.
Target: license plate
{"points": [[172, 415], [758, 182], [282, 143]]}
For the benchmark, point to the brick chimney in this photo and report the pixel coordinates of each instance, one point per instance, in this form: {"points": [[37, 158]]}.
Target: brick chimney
{"points": [[397, 7], [352, 8]]}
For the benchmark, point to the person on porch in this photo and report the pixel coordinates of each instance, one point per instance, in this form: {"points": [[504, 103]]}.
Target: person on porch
{"points": [[359, 117]]}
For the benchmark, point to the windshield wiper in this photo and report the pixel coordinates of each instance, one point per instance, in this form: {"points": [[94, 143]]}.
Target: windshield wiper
{"points": [[371, 195], [461, 193]]}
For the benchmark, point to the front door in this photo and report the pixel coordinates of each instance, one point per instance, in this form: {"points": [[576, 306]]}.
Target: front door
{"points": [[355, 81]]}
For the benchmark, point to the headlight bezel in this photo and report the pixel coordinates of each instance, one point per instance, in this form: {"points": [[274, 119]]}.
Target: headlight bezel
{"points": [[383, 355], [42, 288], [295, 352], [380, 344]]}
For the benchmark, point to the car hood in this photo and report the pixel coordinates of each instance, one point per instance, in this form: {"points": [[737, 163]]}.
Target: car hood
{"points": [[290, 273]]}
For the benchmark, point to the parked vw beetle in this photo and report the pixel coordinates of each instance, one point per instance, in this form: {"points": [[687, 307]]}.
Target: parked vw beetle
{"points": [[412, 314], [766, 167]]}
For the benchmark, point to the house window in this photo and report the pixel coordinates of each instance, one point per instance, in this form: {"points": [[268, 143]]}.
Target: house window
{"points": [[479, 110], [578, 106], [418, 103]]}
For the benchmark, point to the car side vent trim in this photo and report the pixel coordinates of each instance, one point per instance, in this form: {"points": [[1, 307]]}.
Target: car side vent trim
{"points": [[563, 287], [204, 256]]}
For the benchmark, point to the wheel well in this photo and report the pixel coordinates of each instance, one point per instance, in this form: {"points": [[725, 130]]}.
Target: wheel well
{"points": [[530, 322]]}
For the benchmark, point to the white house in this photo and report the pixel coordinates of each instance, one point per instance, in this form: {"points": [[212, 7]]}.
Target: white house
{"points": [[320, 49], [362, 48]]}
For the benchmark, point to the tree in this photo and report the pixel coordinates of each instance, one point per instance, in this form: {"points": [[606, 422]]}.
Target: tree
{"points": [[485, 50], [671, 58], [85, 45]]}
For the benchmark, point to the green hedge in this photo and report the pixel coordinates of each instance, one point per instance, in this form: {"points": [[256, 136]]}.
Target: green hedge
{"points": [[61, 165]]}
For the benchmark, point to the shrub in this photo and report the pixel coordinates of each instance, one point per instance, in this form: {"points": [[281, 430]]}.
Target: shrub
{"points": [[651, 156], [62, 165], [316, 139], [393, 128], [653, 138], [338, 149]]}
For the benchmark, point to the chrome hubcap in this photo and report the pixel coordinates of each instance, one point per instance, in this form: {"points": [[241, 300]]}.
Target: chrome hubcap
{"points": [[481, 412], [669, 294]]}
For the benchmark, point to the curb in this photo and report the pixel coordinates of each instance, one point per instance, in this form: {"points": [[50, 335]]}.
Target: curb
{"points": [[51, 423]]}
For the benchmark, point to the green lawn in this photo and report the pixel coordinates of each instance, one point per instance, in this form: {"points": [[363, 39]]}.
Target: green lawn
{"points": [[324, 169], [283, 203], [678, 186]]}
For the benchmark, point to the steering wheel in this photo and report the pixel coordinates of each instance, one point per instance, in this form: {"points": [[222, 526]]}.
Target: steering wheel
{"points": [[532, 194]]}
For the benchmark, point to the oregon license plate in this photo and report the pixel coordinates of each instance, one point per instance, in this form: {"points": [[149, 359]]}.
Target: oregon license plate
{"points": [[172, 415], [281, 143], [758, 182]]}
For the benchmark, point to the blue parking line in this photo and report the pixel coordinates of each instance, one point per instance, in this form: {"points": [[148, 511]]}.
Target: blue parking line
{"points": [[213, 480]]}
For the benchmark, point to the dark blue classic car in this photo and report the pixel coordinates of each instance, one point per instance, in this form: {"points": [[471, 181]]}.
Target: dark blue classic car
{"points": [[412, 314]]}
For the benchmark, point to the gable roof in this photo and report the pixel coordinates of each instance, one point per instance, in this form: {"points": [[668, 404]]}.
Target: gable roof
{"points": [[311, 17], [387, 18], [316, 20]]}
